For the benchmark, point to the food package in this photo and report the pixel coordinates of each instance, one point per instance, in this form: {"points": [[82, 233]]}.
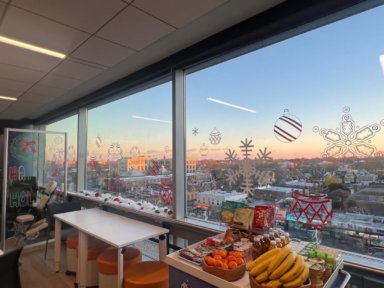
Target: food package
{"points": [[263, 216], [228, 210], [243, 217]]}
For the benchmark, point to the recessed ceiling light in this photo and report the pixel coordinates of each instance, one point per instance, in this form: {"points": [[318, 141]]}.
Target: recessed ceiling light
{"points": [[31, 47], [381, 59], [8, 98], [151, 119], [231, 105]]}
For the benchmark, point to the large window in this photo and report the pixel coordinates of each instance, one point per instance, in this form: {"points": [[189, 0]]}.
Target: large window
{"points": [[129, 151], [305, 114], [68, 125]]}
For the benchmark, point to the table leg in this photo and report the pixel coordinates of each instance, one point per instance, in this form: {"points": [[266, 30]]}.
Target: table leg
{"points": [[162, 247], [120, 267], [57, 245], [81, 275]]}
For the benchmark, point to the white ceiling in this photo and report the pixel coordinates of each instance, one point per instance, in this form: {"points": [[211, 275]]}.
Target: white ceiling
{"points": [[104, 40]]}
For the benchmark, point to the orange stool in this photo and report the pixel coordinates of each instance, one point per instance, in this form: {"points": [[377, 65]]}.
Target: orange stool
{"points": [[95, 247], [148, 274], [107, 265], [71, 246]]}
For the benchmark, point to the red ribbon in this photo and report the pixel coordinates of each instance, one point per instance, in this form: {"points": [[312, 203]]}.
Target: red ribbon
{"points": [[25, 145]]}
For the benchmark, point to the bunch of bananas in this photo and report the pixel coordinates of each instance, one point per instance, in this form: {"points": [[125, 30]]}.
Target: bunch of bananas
{"points": [[279, 267]]}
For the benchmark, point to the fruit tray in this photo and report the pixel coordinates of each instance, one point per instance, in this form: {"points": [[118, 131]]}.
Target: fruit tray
{"points": [[228, 275]]}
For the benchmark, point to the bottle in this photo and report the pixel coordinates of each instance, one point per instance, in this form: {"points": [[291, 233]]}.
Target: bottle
{"points": [[287, 239], [266, 242], [276, 233], [272, 245], [283, 240], [262, 243], [257, 249], [278, 243]]}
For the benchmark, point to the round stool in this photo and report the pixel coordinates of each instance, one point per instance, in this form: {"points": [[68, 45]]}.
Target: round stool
{"points": [[107, 265], [71, 246], [148, 274], [95, 247]]}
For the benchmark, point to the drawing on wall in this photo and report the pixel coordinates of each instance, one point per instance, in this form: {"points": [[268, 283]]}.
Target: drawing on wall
{"points": [[349, 140], [115, 152], [98, 142], [264, 154], [215, 136], [245, 170], [287, 128], [204, 150]]}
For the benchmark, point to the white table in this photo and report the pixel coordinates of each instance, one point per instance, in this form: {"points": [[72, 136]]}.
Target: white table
{"points": [[116, 230]]}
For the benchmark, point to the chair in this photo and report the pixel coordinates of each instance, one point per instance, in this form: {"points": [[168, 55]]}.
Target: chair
{"points": [[9, 268], [56, 208], [27, 226]]}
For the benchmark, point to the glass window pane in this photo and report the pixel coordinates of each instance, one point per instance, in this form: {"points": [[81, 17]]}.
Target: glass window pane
{"points": [[68, 125], [305, 114], [130, 150]]}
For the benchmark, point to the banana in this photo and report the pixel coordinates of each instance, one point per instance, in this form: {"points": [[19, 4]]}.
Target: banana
{"points": [[272, 284], [279, 257], [284, 266], [300, 279], [261, 267], [263, 276], [295, 271], [261, 258]]}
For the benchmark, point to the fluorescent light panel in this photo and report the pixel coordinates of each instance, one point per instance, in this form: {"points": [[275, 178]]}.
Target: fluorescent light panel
{"points": [[151, 119], [381, 59], [31, 47], [8, 98], [231, 105]]}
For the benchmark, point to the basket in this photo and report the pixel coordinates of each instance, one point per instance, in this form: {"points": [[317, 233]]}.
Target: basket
{"points": [[228, 275], [255, 284]]}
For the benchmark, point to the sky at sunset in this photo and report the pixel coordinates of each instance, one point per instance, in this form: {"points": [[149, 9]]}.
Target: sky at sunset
{"points": [[316, 78]]}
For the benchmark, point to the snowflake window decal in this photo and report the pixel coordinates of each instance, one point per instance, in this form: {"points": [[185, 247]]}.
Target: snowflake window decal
{"points": [[349, 140], [195, 131], [264, 155], [245, 170]]}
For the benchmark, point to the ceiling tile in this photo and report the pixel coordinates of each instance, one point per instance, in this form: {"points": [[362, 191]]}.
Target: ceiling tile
{"points": [[42, 92], [178, 12], [33, 97], [75, 13], [12, 88], [134, 29], [28, 59], [102, 52], [19, 73], [33, 29], [76, 70], [62, 82]]}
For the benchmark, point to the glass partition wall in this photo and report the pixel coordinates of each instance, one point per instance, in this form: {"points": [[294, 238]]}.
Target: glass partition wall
{"points": [[304, 114], [32, 160]]}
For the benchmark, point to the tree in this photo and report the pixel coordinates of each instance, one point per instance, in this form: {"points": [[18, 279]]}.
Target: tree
{"points": [[332, 179]]}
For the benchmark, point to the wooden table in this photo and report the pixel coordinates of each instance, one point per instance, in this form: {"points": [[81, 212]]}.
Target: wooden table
{"points": [[116, 230]]}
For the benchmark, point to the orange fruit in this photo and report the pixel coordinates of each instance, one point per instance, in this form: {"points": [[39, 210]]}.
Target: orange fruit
{"points": [[218, 263], [232, 265], [223, 253], [235, 253], [210, 261], [224, 266], [231, 258], [239, 260], [217, 257]]}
